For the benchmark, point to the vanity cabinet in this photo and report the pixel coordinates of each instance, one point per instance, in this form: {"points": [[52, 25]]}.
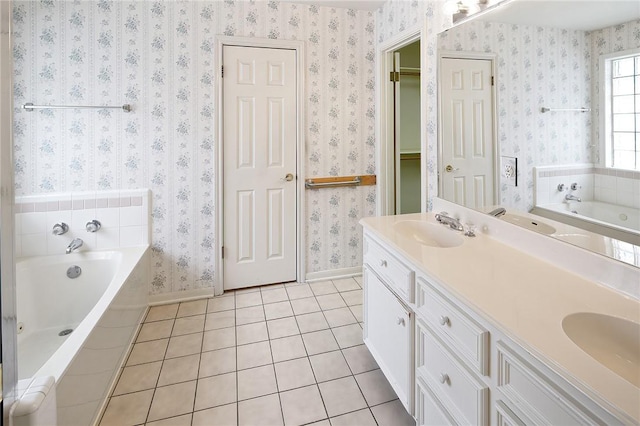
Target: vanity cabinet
{"points": [[448, 364]]}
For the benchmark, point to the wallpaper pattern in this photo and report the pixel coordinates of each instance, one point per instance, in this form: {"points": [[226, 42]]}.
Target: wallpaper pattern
{"points": [[158, 56], [535, 67]]}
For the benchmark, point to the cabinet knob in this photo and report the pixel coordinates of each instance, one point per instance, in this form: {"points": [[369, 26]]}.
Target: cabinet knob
{"points": [[444, 378], [444, 320], [401, 321], [383, 263]]}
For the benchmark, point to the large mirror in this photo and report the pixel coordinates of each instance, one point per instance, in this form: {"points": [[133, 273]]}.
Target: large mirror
{"points": [[539, 112]]}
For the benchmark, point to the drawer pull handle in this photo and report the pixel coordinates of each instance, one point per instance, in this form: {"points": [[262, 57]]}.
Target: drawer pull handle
{"points": [[383, 263], [444, 378], [401, 321], [444, 320]]}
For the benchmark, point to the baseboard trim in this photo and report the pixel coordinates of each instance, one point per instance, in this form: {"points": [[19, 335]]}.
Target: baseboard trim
{"points": [[180, 296], [334, 274]]}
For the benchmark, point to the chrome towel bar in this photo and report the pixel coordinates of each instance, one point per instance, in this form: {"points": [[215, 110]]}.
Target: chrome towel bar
{"points": [[338, 181], [309, 184], [30, 107], [545, 109]]}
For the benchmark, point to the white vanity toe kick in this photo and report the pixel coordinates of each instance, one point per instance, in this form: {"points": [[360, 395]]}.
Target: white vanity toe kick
{"points": [[527, 299]]}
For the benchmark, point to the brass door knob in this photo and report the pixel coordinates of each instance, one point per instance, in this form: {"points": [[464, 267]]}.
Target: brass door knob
{"points": [[450, 169], [289, 177]]}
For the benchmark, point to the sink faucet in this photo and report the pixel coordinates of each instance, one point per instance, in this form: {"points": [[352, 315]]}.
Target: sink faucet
{"points": [[445, 219], [498, 212], [571, 197], [74, 245]]}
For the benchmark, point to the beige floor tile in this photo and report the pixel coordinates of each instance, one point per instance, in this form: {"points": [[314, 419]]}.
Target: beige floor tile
{"points": [[216, 320], [138, 377], [357, 312], [125, 410], [305, 306], [392, 414], [359, 359], [358, 280], [320, 423], [294, 374], [247, 290], [217, 362], [319, 342], [302, 406], [225, 415], [162, 312], [329, 366], [194, 307], [287, 348], [248, 299], [312, 322], [176, 370], [360, 418], [188, 325], [278, 310], [341, 396], [339, 317], [375, 387], [216, 390], [153, 350], [184, 420], [173, 400], [263, 411], [273, 296], [252, 333], [221, 303], [253, 355], [256, 382], [352, 298], [346, 284], [218, 339], [348, 335], [299, 291], [187, 344], [269, 287], [323, 287], [282, 327], [330, 301], [155, 330], [249, 315]]}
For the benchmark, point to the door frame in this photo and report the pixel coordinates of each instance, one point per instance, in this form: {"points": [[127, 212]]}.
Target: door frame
{"points": [[298, 47], [449, 54], [385, 161]]}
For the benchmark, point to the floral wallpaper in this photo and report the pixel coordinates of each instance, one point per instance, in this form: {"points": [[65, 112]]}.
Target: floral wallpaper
{"points": [[536, 67], [607, 40], [158, 56]]}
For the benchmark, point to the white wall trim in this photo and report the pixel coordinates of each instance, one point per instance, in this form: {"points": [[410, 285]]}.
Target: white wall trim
{"points": [[298, 46], [180, 296], [385, 161], [334, 274], [494, 111]]}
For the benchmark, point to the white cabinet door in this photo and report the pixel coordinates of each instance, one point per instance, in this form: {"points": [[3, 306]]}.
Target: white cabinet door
{"points": [[388, 335]]}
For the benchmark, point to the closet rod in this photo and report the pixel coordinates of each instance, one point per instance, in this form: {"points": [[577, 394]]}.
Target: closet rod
{"points": [[30, 107]]}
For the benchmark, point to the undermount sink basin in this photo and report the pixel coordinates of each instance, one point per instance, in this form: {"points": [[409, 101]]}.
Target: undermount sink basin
{"points": [[613, 342], [429, 234], [528, 223]]}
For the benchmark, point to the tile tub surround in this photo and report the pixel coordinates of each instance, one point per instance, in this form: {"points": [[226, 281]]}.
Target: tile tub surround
{"points": [[124, 216], [269, 354]]}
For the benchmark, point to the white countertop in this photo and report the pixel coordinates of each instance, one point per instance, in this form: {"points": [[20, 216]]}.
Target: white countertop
{"points": [[526, 298]]}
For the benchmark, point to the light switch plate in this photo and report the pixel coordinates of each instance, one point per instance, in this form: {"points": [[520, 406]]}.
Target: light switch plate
{"points": [[509, 170]]}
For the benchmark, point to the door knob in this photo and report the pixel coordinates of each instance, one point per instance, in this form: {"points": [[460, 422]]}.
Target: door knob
{"points": [[450, 168], [288, 177]]}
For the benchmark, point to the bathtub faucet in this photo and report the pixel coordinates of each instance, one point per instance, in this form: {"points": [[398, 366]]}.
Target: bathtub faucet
{"points": [[74, 245], [571, 197]]}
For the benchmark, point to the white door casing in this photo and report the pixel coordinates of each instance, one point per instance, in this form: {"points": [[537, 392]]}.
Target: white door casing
{"points": [[260, 144], [467, 133]]}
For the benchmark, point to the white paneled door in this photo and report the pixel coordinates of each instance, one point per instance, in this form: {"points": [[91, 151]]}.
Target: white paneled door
{"points": [[259, 118], [467, 162]]}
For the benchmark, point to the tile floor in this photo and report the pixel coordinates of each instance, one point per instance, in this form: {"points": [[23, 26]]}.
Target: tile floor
{"points": [[280, 354]]}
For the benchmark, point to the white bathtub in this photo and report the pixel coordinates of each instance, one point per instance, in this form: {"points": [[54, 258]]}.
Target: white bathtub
{"points": [[103, 307], [611, 220]]}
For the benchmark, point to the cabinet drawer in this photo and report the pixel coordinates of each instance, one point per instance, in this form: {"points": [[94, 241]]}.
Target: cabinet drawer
{"points": [[506, 417], [536, 395], [464, 335], [464, 396], [396, 274], [429, 412]]}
